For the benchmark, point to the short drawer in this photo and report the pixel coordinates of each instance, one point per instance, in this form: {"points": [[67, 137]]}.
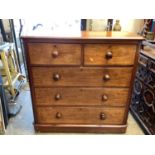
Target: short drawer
{"points": [[81, 96], [54, 54], [80, 115], [107, 54], [84, 76]]}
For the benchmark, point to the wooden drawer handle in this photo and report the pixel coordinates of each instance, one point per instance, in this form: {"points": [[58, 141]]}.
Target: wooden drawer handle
{"points": [[108, 55], [104, 98], [58, 96], [102, 116], [58, 115], [56, 77], [106, 77], [55, 54]]}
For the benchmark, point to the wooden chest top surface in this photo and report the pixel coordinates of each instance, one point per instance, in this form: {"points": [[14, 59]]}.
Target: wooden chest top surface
{"points": [[83, 35]]}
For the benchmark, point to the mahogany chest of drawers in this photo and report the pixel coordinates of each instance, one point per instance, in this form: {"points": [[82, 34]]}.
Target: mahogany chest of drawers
{"points": [[81, 83]]}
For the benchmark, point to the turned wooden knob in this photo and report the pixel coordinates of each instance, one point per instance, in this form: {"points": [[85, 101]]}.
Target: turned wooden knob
{"points": [[56, 76], [104, 98], [108, 55], [58, 115], [106, 77], [102, 116], [55, 54], [58, 96]]}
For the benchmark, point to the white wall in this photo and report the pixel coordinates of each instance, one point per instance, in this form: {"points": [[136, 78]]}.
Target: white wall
{"points": [[129, 25], [96, 24], [6, 25], [48, 25]]}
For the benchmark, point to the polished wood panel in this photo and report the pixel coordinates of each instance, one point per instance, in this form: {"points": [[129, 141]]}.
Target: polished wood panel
{"points": [[80, 128], [81, 96], [82, 35], [69, 76], [80, 115], [109, 54], [54, 54]]}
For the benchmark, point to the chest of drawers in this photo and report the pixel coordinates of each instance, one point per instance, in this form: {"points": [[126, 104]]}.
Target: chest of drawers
{"points": [[81, 84]]}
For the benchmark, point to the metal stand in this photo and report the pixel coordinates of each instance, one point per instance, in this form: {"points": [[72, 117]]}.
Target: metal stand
{"points": [[12, 78]]}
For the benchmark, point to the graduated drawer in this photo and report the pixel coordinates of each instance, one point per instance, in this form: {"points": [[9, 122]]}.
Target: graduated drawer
{"points": [[107, 54], [84, 76], [80, 115], [54, 54], [81, 96]]}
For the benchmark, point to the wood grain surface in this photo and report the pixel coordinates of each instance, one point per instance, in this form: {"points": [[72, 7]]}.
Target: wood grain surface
{"points": [[96, 54], [80, 115], [81, 96], [75, 76], [43, 53]]}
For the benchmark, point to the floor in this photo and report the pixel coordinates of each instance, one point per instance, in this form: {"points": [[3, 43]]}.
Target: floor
{"points": [[22, 124]]}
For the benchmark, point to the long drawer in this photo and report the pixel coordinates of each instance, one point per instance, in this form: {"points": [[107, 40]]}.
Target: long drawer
{"points": [[107, 54], [81, 96], [54, 54], [84, 76], [80, 115]]}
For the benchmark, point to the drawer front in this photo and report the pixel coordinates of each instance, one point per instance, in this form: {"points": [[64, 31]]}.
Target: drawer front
{"points": [[74, 76], [82, 96], [106, 54], [80, 115], [54, 54]]}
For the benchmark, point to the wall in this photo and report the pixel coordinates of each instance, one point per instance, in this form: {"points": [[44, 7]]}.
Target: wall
{"points": [[52, 26], [96, 24], [130, 25], [6, 25]]}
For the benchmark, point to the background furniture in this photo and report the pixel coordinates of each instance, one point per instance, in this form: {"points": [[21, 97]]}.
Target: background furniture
{"points": [[10, 68], [2, 128], [11, 76], [11, 31], [81, 83], [4, 111], [143, 98]]}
